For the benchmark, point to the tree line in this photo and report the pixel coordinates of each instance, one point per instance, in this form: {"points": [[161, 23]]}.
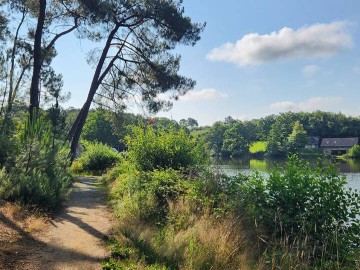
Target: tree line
{"points": [[283, 133]]}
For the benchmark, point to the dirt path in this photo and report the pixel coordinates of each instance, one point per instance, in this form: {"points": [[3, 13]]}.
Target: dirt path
{"points": [[74, 239]]}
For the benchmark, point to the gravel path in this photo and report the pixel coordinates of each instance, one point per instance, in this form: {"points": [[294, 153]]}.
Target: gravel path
{"points": [[75, 238]]}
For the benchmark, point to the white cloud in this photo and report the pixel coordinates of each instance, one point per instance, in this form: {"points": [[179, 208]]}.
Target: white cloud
{"points": [[314, 41], [310, 70], [309, 105], [204, 94]]}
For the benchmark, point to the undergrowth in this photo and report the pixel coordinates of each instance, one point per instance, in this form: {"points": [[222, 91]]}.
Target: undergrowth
{"points": [[196, 218], [95, 159], [38, 173]]}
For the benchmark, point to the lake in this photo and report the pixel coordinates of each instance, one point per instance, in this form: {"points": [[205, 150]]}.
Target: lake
{"points": [[350, 168]]}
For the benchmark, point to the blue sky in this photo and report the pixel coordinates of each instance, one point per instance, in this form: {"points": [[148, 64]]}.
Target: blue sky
{"points": [[256, 58]]}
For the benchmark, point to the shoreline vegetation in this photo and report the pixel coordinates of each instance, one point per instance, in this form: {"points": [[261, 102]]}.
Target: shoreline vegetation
{"points": [[174, 213]]}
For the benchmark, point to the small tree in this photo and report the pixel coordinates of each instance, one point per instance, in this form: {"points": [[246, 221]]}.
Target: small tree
{"points": [[297, 139]]}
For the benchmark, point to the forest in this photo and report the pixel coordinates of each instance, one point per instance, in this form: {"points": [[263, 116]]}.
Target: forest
{"points": [[281, 134]]}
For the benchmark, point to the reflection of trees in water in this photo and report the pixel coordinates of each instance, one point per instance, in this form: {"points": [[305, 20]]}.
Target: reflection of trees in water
{"points": [[350, 167], [268, 164]]}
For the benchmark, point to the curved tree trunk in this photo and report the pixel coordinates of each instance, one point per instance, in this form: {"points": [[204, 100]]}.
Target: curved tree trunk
{"points": [[76, 129]]}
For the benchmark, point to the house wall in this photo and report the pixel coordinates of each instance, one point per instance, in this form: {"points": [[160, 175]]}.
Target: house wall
{"points": [[327, 151], [312, 146]]}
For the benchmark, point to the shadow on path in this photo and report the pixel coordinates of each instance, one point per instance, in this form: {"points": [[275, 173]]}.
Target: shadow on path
{"points": [[73, 240]]}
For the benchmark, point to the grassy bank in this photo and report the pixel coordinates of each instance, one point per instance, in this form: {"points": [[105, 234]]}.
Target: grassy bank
{"points": [[175, 221], [174, 216], [175, 213]]}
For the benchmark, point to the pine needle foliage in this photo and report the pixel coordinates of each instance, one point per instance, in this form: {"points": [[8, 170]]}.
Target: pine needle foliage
{"points": [[40, 175]]}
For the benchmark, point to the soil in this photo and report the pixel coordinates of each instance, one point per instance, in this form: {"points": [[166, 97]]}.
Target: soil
{"points": [[73, 239]]}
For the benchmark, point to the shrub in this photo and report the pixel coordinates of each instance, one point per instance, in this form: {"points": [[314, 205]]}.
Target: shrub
{"points": [[96, 158], [149, 193], [354, 151], [214, 192], [160, 187], [164, 148], [306, 209], [40, 175]]}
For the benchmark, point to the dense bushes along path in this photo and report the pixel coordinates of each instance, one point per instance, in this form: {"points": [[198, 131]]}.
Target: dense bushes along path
{"points": [[75, 238]]}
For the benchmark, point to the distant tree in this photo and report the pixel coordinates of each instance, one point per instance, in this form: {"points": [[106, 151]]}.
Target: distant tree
{"points": [[297, 139], [189, 123], [264, 126], [99, 128], [236, 140], [163, 122], [215, 137], [228, 120], [280, 130]]}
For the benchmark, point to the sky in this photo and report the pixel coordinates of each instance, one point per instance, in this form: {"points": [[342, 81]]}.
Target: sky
{"points": [[255, 58]]}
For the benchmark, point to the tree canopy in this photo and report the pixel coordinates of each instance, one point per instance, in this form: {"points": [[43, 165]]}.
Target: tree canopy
{"points": [[136, 62]]}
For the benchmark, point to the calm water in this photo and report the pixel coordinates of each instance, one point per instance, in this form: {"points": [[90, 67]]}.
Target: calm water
{"points": [[350, 168]]}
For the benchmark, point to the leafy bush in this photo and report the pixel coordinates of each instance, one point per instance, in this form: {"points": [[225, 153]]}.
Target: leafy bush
{"points": [[354, 151], [40, 175], [164, 148], [310, 209], [214, 192], [96, 159]]}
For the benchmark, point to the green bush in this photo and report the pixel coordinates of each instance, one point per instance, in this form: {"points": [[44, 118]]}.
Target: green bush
{"points": [[354, 151], [164, 148], [216, 193], [96, 159], [149, 193], [160, 187], [310, 209], [40, 175]]}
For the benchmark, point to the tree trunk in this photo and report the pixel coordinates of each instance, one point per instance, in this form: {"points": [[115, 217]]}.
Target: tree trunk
{"points": [[76, 129], [35, 80], [12, 91]]}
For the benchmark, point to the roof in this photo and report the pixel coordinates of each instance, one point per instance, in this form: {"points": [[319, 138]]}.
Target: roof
{"points": [[339, 142]]}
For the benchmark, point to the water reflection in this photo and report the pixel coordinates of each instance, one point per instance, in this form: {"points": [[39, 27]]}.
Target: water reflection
{"points": [[269, 164], [350, 168]]}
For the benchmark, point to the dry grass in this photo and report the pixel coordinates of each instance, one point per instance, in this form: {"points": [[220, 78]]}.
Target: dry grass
{"points": [[17, 226], [31, 221], [192, 242]]}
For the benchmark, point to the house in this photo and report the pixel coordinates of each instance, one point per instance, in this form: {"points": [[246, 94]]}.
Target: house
{"points": [[337, 146], [313, 142]]}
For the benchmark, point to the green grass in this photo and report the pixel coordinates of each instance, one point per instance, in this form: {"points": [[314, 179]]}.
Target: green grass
{"points": [[259, 146], [200, 132]]}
